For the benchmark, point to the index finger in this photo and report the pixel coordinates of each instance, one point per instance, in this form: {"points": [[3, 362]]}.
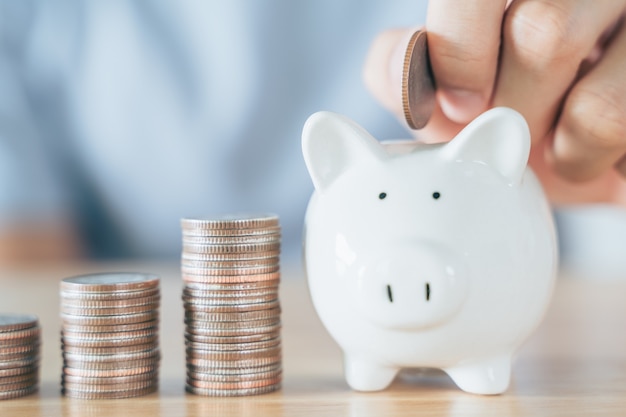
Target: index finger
{"points": [[464, 42]]}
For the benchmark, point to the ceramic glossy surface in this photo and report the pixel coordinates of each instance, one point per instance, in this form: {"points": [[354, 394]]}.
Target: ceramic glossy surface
{"points": [[420, 255]]}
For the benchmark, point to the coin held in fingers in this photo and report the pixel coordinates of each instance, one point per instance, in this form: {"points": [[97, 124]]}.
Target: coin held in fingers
{"points": [[418, 83]]}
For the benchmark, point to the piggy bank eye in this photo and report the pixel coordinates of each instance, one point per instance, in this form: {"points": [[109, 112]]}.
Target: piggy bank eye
{"points": [[436, 195], [382, 196]]}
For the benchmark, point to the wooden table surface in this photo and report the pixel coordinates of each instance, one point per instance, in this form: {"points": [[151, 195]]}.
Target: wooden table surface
{"points": [[574, 365]]}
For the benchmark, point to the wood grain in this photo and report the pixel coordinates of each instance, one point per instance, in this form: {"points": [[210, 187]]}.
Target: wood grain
{"points": [[575, 364]]}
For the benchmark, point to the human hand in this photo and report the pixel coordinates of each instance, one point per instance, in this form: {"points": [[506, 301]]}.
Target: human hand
{"points": [[562, 64]]}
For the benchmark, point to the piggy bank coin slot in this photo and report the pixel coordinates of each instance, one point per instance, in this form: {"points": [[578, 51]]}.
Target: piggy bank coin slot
{"points": [[427, 291], [389, 294]]}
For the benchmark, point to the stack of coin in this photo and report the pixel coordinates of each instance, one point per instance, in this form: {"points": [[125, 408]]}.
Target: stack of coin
{"points": [[230, 267], [19, 355], [109, 335]]}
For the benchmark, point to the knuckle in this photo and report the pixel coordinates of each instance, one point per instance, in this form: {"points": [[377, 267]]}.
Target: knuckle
{"points": [[543, 33], [598, 117], [452, 55]]}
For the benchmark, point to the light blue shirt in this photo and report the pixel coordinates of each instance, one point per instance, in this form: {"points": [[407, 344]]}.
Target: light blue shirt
{"points": [[128, 115]]}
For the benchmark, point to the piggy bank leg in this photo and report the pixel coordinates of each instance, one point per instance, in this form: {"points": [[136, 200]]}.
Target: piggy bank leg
{"points": [[490, 376], [367, 375]]}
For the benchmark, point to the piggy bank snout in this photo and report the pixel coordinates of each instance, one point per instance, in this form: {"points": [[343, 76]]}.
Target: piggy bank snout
{"points": [[411, 286]]}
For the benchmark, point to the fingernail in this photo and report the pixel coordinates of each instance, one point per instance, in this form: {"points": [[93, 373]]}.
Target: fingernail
{"points": [[461, 106]]}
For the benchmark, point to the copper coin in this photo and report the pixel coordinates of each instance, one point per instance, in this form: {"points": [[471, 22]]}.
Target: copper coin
{"points": [[232, 339], [201, 376], [110, 320], [12, 379], [17, 356], [8, 395], [234, 317], [111, 373], [231, 221], [231, 393], [108, 296], [148, 376], [110, 282], [10, 372], [16, 322], [230, 279], [418, 82], [121, 329], [234, 385], [125, 386], [20, 363], [25, 334], [91, 395], [14, 386]]}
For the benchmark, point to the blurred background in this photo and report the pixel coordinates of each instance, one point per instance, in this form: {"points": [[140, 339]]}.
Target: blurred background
{"points": [[118, 118]]}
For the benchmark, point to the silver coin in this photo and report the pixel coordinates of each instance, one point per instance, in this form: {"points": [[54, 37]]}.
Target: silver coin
{"points": [[110, 282], [271, 261], [231, 240], [222, 347], [77, 379], [234, 317], [14, 322], [193, 288], [259, 231], [198, 338], [110, 320], [232, 332], [231, 249], [253, 270], [231, 308], [231, 393], [108, 296], [95, 395], [231, 221], [112, 366]]}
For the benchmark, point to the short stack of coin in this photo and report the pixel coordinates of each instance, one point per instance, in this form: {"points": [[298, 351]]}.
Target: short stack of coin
{"points": [[110, 335], [230, 267], [20, 337]]}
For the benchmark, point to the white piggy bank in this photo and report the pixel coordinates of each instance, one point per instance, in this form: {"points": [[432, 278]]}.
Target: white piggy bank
{"points": [[418, 255]]}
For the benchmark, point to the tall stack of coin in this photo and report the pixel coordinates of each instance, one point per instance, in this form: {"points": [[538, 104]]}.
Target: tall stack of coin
{"points": [[19, 355], [230, 267], [110, 335]]}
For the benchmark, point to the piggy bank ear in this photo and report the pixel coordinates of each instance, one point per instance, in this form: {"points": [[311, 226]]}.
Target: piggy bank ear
{"points": [[332, 143], [499, 138]]}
